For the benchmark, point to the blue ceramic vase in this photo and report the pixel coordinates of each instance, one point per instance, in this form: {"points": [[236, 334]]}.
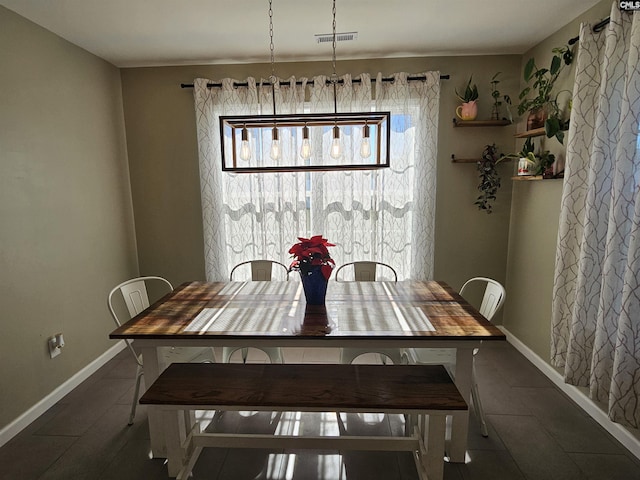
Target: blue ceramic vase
{"points": [[315, 286]]}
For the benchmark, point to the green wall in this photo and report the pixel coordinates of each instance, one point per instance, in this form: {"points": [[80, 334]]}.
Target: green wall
{"points": [[65, 209]]}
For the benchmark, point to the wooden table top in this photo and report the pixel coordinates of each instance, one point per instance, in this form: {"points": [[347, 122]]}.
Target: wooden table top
{"points": [[277, 310]]}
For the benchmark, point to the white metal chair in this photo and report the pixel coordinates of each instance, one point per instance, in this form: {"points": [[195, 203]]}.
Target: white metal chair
{"points": [[261, 270], [136, 298], [492, 299], [368, 271]]}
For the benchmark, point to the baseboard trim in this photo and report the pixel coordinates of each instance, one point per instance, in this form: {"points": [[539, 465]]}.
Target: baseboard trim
{"points": [[620, 433], [15, 427]]}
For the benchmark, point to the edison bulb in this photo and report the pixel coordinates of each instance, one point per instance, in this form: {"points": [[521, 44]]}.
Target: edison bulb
{"points": [[305, 149], [336, 146], [275, 153], [245, 150], [365, 145], [365, 148]]}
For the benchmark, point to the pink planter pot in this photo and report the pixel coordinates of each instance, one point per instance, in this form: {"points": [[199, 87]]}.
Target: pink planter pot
{"points": [[468, 111]]}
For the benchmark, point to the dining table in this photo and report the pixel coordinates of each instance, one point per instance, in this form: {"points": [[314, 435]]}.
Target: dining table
{"points": [[369, 315]]}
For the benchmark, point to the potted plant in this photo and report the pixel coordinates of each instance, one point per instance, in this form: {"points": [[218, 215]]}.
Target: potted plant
{"points": [[531, 163], [545, 164], [527, 161], [543, 106], [314, 263], [497, 99], [469, 108], [489, 178]]}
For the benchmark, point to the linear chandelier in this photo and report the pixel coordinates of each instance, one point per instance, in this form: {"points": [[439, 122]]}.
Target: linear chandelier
{"points": [[309, 141]]}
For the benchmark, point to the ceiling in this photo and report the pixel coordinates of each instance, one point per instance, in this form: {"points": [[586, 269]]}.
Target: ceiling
{"points": [[134, 33]]}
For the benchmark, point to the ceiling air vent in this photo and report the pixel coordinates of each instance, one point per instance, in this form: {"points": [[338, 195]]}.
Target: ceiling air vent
{"points": [[340, 37]]}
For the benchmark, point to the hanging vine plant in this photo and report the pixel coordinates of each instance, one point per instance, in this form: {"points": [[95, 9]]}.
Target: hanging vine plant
{"points": [[489, 178]]}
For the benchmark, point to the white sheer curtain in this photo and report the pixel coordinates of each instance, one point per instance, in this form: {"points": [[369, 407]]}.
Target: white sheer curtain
{"points": [[596, 303], [386, 215], [414, 151], [246, 216]]}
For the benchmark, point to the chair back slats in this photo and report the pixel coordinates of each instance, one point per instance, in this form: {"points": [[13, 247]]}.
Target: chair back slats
{"points": [[366, 271], [261, 270], [493, 298], [135, 297]]}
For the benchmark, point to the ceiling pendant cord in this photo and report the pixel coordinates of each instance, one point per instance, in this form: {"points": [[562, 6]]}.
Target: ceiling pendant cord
{"points": [[336, 146], [275, 151], [334, 75], [271, 47], [272, 78]]}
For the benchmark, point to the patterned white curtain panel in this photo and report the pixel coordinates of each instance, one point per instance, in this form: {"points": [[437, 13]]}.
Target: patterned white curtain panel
{"points": [[596, 295], [386, 215]]}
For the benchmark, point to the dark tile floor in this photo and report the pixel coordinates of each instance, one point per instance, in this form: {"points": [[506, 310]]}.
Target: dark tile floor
{"points": [[535, 433]]}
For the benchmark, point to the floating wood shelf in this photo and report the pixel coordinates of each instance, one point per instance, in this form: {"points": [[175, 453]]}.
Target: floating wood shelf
{"points": [[534, 177], [527, 177], [480, 123], [464, 160], [536, 132], [472, 160]]}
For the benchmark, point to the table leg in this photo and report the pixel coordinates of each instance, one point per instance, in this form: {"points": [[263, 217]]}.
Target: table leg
{"points": [[460, 421], [152, 369]]}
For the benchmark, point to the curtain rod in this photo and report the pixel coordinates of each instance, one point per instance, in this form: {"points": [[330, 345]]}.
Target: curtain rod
{"points": [[310, 82], [597, 28]]}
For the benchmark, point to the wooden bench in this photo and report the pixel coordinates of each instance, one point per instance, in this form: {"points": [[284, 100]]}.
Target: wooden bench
{"points": [[425, 392]]}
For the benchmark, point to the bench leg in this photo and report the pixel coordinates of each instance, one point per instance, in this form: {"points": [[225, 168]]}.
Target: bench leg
{"points": [[185, 473], [175, 435], [409, 424], [189, 420], [433, 428]]}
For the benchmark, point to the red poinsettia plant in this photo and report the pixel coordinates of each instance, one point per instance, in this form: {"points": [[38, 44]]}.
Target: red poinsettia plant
{"points": [[310, 253]]}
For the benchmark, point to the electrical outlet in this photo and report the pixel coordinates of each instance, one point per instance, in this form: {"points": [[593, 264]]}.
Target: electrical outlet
{"points": [[56, 343]]}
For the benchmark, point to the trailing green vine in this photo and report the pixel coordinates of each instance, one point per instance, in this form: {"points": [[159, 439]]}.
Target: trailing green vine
{"points": [[489, 178]]}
